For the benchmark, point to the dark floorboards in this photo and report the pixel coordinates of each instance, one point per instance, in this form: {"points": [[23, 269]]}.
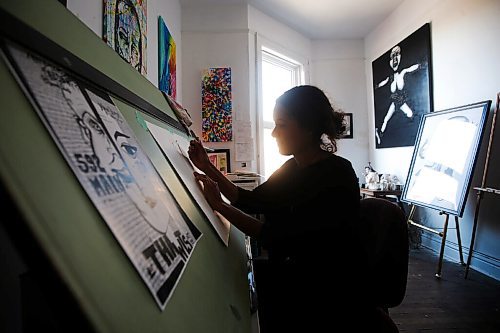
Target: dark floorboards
{"points": [[450, 304]]}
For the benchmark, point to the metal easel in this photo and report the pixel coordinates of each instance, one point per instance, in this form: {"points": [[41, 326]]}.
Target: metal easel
{"points": [[442, 234], [483, 189]]}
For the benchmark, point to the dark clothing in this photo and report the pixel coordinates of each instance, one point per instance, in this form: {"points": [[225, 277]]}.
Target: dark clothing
{"points": [[314, 274], [305, 209]]}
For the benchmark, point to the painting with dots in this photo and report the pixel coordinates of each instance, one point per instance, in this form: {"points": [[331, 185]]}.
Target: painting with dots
{"points": [[216, 105]]}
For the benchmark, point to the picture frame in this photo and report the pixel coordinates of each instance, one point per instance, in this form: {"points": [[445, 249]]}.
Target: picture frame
{"points": [[348, 133], [221, 158], [402, 89], [444, 157]]}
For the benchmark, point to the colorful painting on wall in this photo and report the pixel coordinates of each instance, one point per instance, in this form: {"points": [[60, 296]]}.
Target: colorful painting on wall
{"points": [[166, 60], [125, 30], [216, 105], [402, 89]]}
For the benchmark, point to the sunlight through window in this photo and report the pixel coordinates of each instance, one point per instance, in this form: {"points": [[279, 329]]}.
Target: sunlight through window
{"points": [[278, 75]]}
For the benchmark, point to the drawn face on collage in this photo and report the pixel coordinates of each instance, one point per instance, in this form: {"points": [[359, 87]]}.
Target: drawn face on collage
{"points": [[103, 148], [145, 192], [122, 162], [126, 147], [92, 131], [128, 33]]}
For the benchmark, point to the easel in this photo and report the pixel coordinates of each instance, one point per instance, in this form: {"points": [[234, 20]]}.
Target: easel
{"points": [[483, 189], [442, 234]]}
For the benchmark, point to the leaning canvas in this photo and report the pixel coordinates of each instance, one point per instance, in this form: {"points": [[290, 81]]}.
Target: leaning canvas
{"points": [[167, 67]]}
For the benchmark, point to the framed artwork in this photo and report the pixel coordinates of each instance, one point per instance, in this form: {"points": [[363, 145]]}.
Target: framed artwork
{"points": [[348, 126], [216, 105], [125, 31], [402, 90], [167, 72], [221, 159], [443, 160]]}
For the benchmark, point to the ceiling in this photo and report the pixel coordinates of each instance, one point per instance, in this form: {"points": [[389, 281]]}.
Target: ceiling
{"points": [[320, 19]]}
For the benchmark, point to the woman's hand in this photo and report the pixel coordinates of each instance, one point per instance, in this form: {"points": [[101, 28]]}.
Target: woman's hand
{"points": [[198, 155], [210, 190]]}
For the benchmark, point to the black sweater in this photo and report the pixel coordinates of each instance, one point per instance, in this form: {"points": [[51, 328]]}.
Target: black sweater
{"points": [[306, 210]]}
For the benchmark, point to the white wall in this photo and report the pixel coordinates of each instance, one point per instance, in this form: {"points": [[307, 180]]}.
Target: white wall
{"points": [[90, 12], [274, 35], [337, 67], [217, 36], [280, 37], [464, 35], [226, 35], [230, 35], [205, 50], [214, 18]]}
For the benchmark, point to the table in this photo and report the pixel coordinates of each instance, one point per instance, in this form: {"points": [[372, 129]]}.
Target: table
{"points": [[365, 192]]}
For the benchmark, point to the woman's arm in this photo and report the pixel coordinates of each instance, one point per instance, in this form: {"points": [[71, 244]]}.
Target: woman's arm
{"points": [[198, 156], [246, 223]]}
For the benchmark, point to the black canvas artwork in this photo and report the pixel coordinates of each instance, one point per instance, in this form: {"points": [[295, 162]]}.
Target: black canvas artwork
{"points": [[402, 89]]}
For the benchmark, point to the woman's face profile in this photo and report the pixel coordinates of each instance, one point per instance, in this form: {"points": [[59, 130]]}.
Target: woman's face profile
{"points": [[290, 136]]}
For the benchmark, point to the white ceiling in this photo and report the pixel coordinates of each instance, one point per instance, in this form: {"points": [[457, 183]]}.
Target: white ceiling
{"points": [[320, 19]]}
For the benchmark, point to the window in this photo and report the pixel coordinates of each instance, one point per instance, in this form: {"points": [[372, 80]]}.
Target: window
{"points": [[279, 74]]}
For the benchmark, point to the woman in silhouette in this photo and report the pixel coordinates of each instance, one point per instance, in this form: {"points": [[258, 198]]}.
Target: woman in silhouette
{"points": [[314, 278]]}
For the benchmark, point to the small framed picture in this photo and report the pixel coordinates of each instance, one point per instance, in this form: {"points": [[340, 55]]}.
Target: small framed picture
{"points": [[348, 126], [221, 159]]}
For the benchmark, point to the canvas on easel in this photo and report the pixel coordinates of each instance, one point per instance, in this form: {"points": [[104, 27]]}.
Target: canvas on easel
{"points": [[442, 165], [444, 157]]}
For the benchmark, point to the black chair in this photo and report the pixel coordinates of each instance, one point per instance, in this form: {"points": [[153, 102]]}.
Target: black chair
{"points": [[386, 240], [384, 233]]}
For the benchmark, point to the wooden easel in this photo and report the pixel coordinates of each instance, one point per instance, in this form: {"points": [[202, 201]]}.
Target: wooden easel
{"points": [[483, 189], [442, 234]]}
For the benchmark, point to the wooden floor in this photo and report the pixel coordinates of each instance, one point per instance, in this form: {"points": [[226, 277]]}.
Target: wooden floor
{"points": [[449, 304]]}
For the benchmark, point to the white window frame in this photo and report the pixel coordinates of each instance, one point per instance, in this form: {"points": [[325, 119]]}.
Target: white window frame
{"points": [[276, 54]]}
